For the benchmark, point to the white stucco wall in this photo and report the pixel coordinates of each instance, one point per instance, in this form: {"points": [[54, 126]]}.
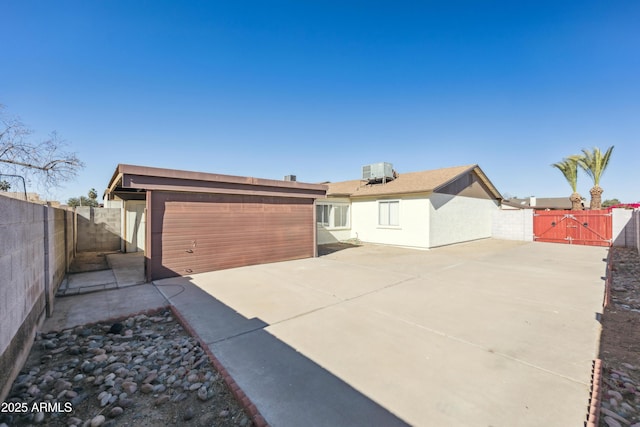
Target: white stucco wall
{"points": [[413, 229], [134, 227], [326, 235], [455, 219]]}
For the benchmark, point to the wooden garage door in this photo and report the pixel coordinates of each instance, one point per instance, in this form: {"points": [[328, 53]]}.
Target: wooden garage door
{"points": [[196, 232]]}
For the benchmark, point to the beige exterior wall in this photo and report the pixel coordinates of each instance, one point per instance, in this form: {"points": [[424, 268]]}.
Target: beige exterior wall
{"points": [[455, 219], [413, 228], [327, 235], [134, 225], [425, 221]]}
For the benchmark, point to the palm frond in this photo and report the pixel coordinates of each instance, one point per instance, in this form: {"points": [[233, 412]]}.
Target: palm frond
{"points": [[594, 163], [569, 168]]}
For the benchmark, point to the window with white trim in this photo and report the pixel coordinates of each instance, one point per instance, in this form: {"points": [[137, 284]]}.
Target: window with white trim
{"points": [[322, 215], [340, 215], [332, 215], [389, 213]]}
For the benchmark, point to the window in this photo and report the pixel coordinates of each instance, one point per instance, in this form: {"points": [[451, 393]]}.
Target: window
{"points": [[389, 213], [322, 215], [333, 215], [340, 215]]}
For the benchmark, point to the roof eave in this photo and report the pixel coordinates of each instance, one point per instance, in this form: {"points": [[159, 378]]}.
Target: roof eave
{"points": [[393, 194], [124, 169]]}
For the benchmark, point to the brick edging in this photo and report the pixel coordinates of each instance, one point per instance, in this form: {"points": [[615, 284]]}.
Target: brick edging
{"points": [[593, 416], [596, 395], [252, 410]]}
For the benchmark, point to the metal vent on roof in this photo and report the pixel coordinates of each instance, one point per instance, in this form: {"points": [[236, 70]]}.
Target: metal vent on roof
{"points": [[290, 178], [378, 172]]}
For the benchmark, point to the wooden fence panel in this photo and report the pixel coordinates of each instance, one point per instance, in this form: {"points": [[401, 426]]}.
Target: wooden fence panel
{"points": [[592, 228]]}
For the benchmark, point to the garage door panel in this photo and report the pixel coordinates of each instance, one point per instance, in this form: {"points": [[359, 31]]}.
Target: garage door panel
{"points": [[195, 233]]}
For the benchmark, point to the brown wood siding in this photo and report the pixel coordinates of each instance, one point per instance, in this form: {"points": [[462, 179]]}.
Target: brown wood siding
{"points": [[195, 232]]}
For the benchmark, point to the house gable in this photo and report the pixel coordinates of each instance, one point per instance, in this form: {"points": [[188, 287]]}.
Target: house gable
{"points": [[468, 185], [425, 209]]}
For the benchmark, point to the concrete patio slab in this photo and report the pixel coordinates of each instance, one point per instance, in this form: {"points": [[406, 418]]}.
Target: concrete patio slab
{"points": [[128, 268], [95, 307], [306, 395], [484, 333], [212, 320], [114, 270], [90, 281], [428, 377], [280, 291]]}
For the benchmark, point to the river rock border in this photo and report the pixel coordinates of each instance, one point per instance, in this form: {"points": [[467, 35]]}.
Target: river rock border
{"points": [[144, 352], [252, 410]]}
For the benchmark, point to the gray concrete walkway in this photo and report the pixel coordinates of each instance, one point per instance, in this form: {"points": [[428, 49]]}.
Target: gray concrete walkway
{"points": [[94, 307], [103, 286], [103, 271], [486, 333]]}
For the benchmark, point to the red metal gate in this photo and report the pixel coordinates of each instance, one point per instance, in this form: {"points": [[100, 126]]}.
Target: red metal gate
{"points": [[591, 228]]}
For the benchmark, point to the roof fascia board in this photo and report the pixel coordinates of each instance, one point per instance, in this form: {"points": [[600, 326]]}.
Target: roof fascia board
{"points": [[487, 182], [117, 177], [178, 189], [210, 177], [392, 195]]}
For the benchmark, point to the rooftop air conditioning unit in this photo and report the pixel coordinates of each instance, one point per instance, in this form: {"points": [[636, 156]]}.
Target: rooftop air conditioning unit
{"points": [[378, 172]]}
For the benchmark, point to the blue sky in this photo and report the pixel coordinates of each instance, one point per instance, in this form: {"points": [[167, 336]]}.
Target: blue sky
{"points": [[320, 88]]}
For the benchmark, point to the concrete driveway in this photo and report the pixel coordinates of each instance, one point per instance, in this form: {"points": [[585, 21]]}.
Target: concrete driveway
{"points": [[486, 333]]}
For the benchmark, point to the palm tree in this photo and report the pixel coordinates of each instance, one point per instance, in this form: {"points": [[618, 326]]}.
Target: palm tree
{"points": [[569, 168], [594, 163]]}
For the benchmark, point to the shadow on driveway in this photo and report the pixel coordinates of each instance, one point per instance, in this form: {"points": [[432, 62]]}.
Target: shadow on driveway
{"points": [[288, 388]]}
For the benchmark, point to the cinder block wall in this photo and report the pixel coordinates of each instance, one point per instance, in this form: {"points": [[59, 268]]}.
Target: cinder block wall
{"points": [[22, 281], [59, 257], [513, 224], [624, 228], [636, 221], [98, 229], [70, 232], [33, 261]]}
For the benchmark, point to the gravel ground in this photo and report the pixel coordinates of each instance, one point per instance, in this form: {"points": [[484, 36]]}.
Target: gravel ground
{"points": [[140, 371], [620, 343]]}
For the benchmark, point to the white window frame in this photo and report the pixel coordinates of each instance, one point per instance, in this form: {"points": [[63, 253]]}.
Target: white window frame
{"points": [[334, 215], [388, 221], [330, 222], [325, 221]]}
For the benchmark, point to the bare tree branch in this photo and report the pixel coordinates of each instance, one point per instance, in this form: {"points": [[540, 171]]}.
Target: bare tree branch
{"points": [[46, 161]]}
